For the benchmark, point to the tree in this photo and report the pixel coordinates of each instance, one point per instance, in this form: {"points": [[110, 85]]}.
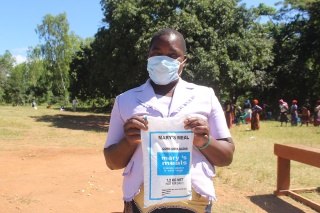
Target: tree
{"points": [[57, 52], [16, 85], [80, 85], [296, 48], [6, 65], [37, 87], [227, 50]]}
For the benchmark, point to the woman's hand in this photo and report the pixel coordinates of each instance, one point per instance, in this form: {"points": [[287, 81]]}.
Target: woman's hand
{"points": [[201, 130], [119, 154], [132, 129], [219, 152]]}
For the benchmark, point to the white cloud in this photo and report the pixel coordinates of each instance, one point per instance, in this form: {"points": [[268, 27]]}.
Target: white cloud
{"points": [[20, 59], [20, 54], [22, 50]]}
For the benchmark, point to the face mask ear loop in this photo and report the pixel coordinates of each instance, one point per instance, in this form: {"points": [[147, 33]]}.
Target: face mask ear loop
{"points": [[181, 64]]}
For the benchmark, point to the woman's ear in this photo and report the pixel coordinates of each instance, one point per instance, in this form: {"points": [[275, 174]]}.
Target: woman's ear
{"points": [[182, 65], [184, 60]]}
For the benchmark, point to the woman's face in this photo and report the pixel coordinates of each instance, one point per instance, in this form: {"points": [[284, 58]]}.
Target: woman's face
{"points": [[168, 45]]}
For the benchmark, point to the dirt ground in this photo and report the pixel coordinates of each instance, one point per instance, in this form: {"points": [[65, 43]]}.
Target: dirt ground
{"points": [[47, 178], [77, 180], [58, 180]]}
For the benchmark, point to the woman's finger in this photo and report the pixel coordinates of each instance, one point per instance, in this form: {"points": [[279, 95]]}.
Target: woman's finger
{"points": [[136, 122], [194, 122]]}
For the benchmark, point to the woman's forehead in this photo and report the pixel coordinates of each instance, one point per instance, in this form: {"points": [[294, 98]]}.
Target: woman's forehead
{"points": [[172, 40]]}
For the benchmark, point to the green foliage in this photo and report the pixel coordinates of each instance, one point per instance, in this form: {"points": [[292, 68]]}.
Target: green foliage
{"points": [[6, 65], [299, 4], [16, 84], [45, 76], [265, 10], [80, 74], [35, 73], [227, 50], [296, 48], [57, 52], [23, 83]]}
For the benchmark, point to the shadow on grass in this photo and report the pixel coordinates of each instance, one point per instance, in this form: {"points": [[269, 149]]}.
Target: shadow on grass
{"points": [[272, 204], [98, 123]]}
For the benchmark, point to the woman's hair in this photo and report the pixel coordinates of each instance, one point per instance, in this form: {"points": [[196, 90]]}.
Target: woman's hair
{"points": [[169, 31]]}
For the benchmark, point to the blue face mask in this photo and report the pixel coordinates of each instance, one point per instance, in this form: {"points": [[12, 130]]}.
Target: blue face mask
{"points": [[163, 69]]}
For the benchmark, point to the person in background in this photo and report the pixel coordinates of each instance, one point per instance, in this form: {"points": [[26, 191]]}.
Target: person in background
{"points": [[256, 109], [263, 113], [34, 104], [228, 113], [294, 113], [165, 94], [247, 109], [305, 116], [74, 104], [238, 113], [93, 105], [317, 114], [283, 111]]}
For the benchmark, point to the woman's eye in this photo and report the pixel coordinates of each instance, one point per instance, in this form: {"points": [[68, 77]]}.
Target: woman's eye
{"points": [[155, 54], [173, 56]]}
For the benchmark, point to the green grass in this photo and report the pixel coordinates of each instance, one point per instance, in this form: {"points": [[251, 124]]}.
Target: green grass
{"points": [[22, 127], [254, 167], [254, 152], [314, 195]]}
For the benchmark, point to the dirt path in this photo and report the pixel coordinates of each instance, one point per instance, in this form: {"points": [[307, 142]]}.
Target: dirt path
{"points": [[77, 180], [58, 180]]}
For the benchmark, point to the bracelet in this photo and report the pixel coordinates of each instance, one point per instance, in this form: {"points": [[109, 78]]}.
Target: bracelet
{"points": [[207, 144]]}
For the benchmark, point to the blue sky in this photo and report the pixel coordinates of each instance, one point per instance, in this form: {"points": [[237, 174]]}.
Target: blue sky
{"points": [[19, 19]]}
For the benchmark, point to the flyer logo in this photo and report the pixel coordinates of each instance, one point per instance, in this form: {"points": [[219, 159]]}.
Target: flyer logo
{"points": [[173, 163]]}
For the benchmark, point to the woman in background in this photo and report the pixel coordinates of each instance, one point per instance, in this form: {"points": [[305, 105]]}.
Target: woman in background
{"points": [[294, 113], [228, 113], [283, 111], [317, 114], [247, 109], [255, 125], [305, 117]]}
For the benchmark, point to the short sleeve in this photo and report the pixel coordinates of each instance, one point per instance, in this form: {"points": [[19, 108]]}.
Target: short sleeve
{"points": [[115, 133], [217, 120]]}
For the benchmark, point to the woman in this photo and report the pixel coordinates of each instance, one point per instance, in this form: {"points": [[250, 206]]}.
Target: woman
{"points": [[317, 114], [228, 113], [248, 111], [305, 115], [294, 113], [283, 111], [256, 109], [165, 94]]}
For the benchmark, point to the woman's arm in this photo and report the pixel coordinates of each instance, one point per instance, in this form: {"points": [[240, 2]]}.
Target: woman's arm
{"points": [[119, 154], [218, 152]]}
